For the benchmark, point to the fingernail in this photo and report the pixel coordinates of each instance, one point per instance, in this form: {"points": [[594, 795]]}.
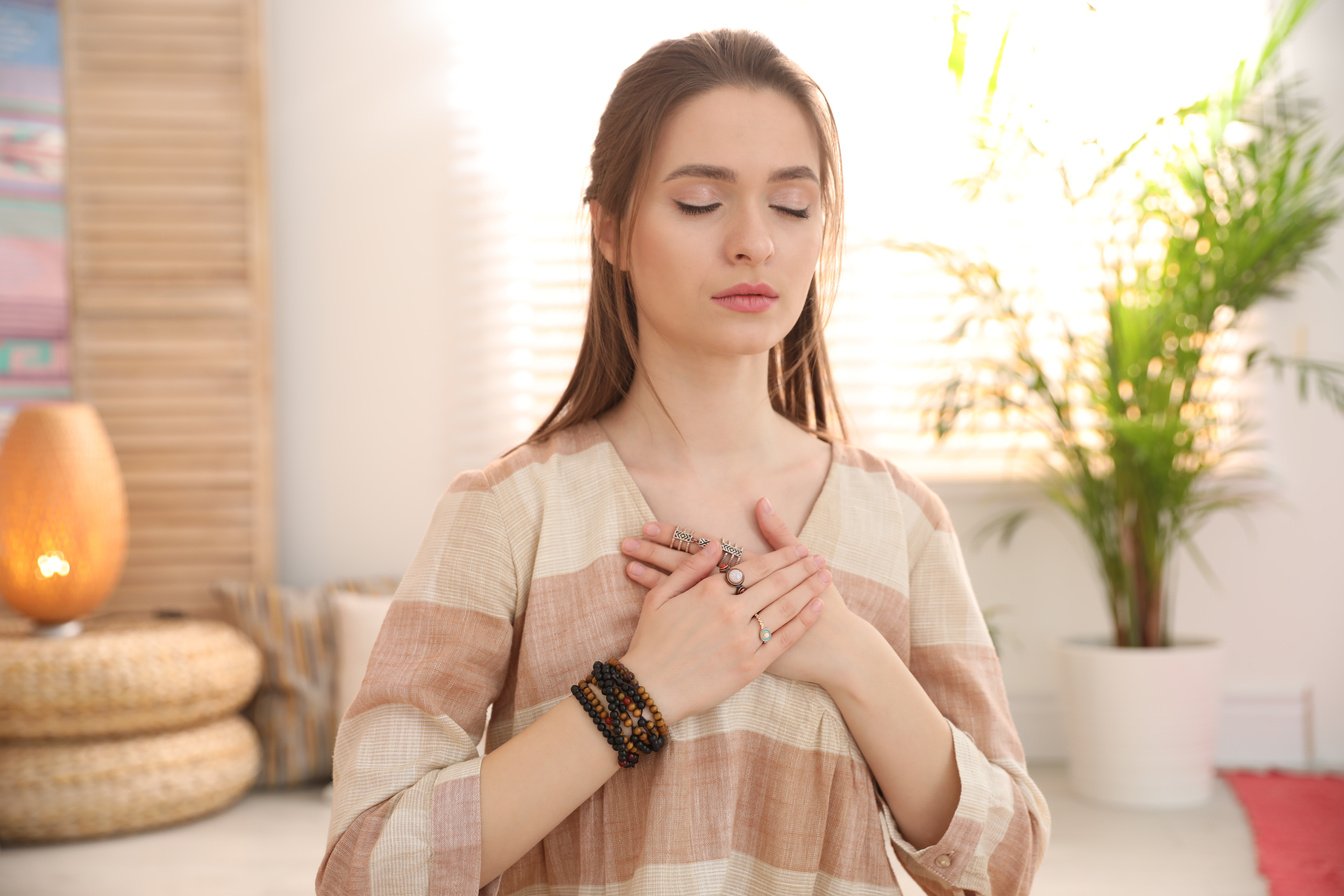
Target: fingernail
{"points": [[824, 577], [765, 503], [651, 529], [815, 605], [638, 569], [816, 562], [630, 545], [800, 550]]}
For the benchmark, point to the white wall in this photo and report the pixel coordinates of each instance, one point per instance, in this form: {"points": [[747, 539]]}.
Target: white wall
{"points": [[367, 266], [375, 387]]}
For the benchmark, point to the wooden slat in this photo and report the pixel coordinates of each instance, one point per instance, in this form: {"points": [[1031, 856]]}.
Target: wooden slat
{"points": [[156, 43], [163, 416], [147, 236], [110, 157], [169, 270], [176, 479], [218, 518], [179, 398], [176, 14], [186, 575], [205, 547], [191, 595], [126, 256], [150, 177], [160, 193], [101, 138], [143, 91], [228, 332], [207, 499], [159, 270], [98, 224], [222, 368]]}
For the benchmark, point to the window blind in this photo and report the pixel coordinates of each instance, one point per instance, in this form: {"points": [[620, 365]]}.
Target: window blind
{"points": [[908, 136]]}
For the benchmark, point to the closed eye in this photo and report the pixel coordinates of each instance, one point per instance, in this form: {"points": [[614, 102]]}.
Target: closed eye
{"points": [[689, 209]]}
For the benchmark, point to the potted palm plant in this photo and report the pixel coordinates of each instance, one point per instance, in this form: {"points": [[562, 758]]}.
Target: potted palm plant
{"points": [[1209, 213]]}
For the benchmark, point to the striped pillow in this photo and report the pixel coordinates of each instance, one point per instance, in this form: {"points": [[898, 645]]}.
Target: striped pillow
{"points": [[293, 710]]}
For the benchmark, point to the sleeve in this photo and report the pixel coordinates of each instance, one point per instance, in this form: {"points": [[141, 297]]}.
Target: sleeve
{"points": [[406, 813], [998, 834]]}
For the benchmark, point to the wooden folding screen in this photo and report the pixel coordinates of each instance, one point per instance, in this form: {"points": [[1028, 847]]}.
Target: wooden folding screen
{"points": [[170, 284]]}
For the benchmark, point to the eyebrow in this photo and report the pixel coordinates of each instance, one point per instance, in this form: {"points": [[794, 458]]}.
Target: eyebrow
{"points": [[718, 172]]}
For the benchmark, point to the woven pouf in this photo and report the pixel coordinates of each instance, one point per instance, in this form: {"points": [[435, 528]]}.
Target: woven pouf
{"points": [[65, 790], [122, 675]]}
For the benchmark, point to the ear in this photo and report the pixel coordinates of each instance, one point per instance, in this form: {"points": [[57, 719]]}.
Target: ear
{"points": [[604, 231]]}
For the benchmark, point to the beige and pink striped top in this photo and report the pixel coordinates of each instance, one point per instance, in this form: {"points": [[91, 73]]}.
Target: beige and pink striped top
{"points": [[519, 586]]}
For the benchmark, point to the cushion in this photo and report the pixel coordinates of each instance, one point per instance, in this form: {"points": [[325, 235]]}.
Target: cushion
{"points": [[294, 710], [124, 674], [358, 618], [90, 787]]}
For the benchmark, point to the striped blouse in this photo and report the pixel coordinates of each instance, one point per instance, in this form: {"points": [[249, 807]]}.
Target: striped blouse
{"points": [[519, 586]]}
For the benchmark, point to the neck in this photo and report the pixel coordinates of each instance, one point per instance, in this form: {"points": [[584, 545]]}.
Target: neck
{"points": [[705, 414]]}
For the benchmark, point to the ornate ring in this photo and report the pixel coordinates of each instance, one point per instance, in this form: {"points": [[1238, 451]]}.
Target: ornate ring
{"points": [[737, 578], [732, 555], [766, 634], [681, 538]]}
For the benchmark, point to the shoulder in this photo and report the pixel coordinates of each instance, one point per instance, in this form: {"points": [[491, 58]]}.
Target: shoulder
{"points": [[862, 473], [537, 480], [558, 456], [491, 519]]}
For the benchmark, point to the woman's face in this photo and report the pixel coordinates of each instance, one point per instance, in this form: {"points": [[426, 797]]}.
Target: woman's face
{"points": [[728, 230]]}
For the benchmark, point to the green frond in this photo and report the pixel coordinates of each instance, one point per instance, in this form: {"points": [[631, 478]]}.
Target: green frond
{"points": [[1138, 456]]}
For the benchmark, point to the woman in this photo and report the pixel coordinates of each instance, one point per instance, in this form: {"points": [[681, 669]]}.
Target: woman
{"points": [[822, 708]]}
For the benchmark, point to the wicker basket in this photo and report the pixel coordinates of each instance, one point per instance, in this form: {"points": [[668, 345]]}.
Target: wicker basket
{"points": [[122, 675], [65, 790]]}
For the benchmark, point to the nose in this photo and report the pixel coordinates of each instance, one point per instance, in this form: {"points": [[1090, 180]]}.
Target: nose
{"points": [[749, 240]]}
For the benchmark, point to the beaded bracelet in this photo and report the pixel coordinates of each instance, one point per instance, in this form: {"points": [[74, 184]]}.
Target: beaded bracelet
{"points": [[610, 730], [629, 720], [640, 710]]}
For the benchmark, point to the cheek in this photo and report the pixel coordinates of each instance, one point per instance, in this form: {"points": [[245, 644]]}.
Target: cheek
{"points": [[644, 243], [806, 251], [663, 252]]}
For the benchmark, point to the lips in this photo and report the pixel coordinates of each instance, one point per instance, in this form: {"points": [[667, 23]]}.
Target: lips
{"points": [[755, 290], [751, 298]]}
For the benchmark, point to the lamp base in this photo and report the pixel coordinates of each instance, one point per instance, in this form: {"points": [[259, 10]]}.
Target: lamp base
{"points": [[58, 629]]}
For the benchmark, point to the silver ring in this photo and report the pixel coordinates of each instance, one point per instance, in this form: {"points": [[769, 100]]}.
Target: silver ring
{"points": [[732, 555], [737, 578], [682, 538], [765, 634]]}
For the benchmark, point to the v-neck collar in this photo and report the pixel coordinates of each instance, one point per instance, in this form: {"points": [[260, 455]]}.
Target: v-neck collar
{"points": [[816, 526]]}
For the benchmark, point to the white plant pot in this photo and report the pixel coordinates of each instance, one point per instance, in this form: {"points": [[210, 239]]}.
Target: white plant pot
{"points": [[1141, 722]]}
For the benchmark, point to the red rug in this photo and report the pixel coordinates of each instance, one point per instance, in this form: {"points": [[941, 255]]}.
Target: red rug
{"points": [[1298, 824]]}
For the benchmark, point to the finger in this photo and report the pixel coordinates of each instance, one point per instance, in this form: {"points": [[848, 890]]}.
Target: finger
{"points": [[651, 553], [643, 575], [788, 634], [662, 534], [766, 579], [777, 532], [779, 611], [694, 568]]}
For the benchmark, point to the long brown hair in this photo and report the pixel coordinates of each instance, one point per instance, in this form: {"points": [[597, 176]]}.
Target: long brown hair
{"points": [[669, 74]]}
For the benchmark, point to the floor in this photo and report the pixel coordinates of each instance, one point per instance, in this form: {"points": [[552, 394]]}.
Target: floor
{"points": [[270, 845]]}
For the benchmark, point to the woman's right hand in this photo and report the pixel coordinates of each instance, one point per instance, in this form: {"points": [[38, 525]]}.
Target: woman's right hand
{"points": [[697, 643]]}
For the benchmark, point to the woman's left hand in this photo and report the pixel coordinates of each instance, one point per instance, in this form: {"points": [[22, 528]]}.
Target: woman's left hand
{"points": [[819, 656]]}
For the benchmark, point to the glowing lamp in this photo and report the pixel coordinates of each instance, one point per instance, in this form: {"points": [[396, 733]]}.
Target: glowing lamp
{"points": [[62, 515]]}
